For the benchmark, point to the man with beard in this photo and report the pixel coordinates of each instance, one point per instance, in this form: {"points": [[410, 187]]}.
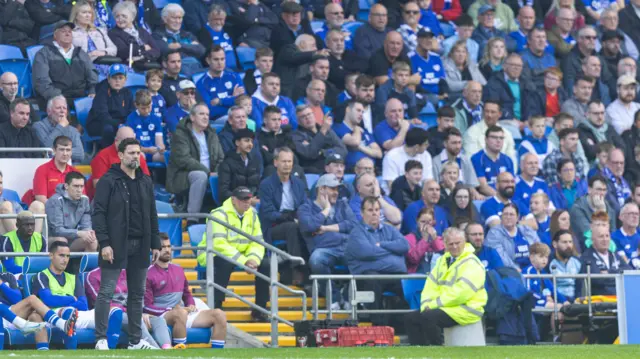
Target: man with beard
{"points": [[596, 130], [489, 257], [568, 149], [365, 93], [620, 113], [491, 209], [565, 262], [125, 221], [168, 295]]}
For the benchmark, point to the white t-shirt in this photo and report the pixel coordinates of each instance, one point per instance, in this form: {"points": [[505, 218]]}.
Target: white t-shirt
{"points": [[204, 149], [287, 203], [394, 161]]}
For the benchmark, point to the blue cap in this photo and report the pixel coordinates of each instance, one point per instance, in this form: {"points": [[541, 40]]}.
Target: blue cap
{"points": [[486, 7], [116, 69]]}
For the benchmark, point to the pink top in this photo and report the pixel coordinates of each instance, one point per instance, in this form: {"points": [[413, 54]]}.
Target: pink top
{"points": [[418, 248]]}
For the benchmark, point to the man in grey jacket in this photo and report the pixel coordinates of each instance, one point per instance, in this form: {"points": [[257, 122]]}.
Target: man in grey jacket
{"points": [[584, 207], [57, 124], [69, 215]]}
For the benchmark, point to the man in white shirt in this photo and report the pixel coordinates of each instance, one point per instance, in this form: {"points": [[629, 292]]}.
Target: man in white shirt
{"points": [[620, 113], [415, 148]]}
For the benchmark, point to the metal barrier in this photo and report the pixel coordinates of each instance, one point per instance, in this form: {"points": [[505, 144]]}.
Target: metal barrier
{"points": [[46, 150], [45, 223]]}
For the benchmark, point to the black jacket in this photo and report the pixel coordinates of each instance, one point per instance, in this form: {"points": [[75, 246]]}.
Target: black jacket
{"points": [[287, 66], [109, 107], [631, 139], [169, 88], [282, 36], [17, 26], [350, 63], [313, 148], [13, 137], [589, 141], [5, 112], [250, 85], [538, 101], [402, 195], [630, 24], [122, 40], [269, 141], [497, 89], [594, 260], [233, 173], [43, 16], [110, 217], [251, 24]]}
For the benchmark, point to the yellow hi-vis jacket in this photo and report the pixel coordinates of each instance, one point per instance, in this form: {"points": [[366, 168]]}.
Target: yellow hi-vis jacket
{"points": [[457, 290], [230, 243]]}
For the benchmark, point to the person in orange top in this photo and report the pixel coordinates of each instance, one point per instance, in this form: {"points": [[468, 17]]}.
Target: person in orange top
{"points": [[109, 156], [52, 173]]}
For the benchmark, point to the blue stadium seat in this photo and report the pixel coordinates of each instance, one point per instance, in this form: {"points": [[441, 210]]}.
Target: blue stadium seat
{"points": [[365, 4], [171, 226], [213, 184], [83, 106], [46, 33], [218, 127], [231, 61], [89, 262], [430, 119], [8, 52], [316, 25], [197, 77], [196, 232], [352, 26], [32, 51], [22, 69], [412, 289], [246, 56], [135, 82], [311, 179], [31, 267], [11, 195], [153, 165]]}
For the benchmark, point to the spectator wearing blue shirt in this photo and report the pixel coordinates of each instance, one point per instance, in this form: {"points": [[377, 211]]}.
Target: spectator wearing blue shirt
{"points": [[464, 30], [218, 87], [430, 198], [542, 289], [429, 66], [349, 88], [23, 239], [429, 19], [268, 94], [536, 143], [212, 33], [527, 183], [569, 188], [490, 162], [492, 208], [367, 185], [391, 132], [186, 99], [359, 142], [398, 87], [148, 127], [536, 57], [334, 20], [153, 80], [474, 233], [540, 210], [526, 20], [627, 237]]}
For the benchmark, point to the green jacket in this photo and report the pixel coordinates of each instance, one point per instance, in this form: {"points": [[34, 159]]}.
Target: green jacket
{"points": [[185, 156], [504, 19]]}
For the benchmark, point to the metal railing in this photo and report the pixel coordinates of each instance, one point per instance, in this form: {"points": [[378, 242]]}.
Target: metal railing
{"points": [[45, 223], [48, 151]]}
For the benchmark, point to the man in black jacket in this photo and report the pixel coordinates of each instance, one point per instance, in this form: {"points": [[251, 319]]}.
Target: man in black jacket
{"points": [[272, 134], [289, 28], [251, 22], [318, 70], [126, 226], [16, 133], [45, 13], [172, 66], [240, 168], [16, 24], [9, 85]]}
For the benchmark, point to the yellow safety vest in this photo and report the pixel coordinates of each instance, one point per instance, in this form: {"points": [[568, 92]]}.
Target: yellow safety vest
{"points": [[34, 247]]}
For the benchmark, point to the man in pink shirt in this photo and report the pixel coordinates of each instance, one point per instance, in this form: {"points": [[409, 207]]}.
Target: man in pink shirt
{"points": [[168, 295]]}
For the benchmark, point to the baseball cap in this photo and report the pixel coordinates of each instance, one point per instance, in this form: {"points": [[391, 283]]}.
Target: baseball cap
{"points": [[291, 7], [625, 80], [612, 34], [328, 180], [63, 23], [425, 32], [117, 69], [334, 157], [486, 7], [243, 133], [242, 192], [186, 84]]}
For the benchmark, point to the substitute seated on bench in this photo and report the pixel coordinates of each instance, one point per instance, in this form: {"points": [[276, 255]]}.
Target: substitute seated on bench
{"points": [[453, 293]]}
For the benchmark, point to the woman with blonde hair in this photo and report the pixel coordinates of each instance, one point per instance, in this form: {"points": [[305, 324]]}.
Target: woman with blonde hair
{"points": [[495, 53], [460, 69], [93, 40]]}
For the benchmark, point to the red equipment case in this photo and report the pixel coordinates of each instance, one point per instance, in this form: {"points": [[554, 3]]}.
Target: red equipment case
{"points": [[355, 337]]}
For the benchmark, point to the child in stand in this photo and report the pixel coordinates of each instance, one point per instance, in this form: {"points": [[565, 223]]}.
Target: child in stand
{"points": [[537, 143], [147, 127], [539, 210], [602, 154], [153, 80], [244, 101]]}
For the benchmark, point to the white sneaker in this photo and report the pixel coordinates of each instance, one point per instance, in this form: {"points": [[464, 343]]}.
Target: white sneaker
{"points": [[102, 345], [335, 306], [142, 345], [32, 327], [347, 306]]}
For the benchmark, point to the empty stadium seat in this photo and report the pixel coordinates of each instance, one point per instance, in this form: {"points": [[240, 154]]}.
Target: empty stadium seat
{"points": [[8, 52], [316, 25], [231, 61], [135, 82], [197, 77], [311, 179], [247, 57], [412, 289], [213, 184], [22, 69], [32, 51], [171, 226], [83, 106], [218, 127]]}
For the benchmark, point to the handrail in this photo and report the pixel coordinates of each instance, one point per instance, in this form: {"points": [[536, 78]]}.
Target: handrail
{"points": [[45, 222], [47, 150]]}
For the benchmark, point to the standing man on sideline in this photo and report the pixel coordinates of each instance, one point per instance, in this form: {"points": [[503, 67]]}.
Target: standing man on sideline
{"points": [[126, 225]]}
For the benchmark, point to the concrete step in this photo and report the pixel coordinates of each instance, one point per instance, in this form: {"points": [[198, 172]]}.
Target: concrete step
{"points": [[231, 303], [263, 327], [245, 315]]}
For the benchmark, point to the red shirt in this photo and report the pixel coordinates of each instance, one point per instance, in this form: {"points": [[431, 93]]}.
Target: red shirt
{"points": [[553, 105], [47, 177], [103, 161]]}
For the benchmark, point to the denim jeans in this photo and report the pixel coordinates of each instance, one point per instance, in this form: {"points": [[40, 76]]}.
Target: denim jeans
{"points": [[323, 261]]}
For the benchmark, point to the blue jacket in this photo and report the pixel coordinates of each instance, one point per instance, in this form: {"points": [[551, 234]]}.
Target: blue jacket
{"points": [[363, 255], [489, 258], [270, 194], [556, 195], [109, 107], [174, 114], [310, 218]]}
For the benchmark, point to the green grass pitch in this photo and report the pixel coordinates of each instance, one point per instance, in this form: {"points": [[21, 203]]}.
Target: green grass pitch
{"points": [[492, 352]]}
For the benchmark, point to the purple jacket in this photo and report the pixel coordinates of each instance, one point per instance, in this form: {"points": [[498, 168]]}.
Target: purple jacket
{"points": [[165, 289], [92, 287]]}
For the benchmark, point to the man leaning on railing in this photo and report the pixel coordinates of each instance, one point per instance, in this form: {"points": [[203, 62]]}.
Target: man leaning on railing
{"points": [[237, 212], [453, 293]]}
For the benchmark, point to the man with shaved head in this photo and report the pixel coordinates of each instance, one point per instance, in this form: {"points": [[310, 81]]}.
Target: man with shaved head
{"points": [[109, 156], [526, 20], [10, 90], [370, 36], [383, 59]]}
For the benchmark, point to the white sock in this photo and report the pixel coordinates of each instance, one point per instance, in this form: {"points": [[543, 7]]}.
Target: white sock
{"points": [[19, 322]]}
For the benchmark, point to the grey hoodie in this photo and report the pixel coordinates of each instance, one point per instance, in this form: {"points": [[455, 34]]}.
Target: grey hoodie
{"points": [[499, 239], [65, 216]]}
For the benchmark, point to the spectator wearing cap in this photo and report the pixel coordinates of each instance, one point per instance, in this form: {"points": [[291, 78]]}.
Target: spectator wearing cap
{"points": [[370, 37], [464, 29], [186, 100], [111, 106], [269, 94], [428, 65], [313, 142], [630, 22], [294, 60], [334, 164], [219, 87], [486, 26], [504, 18], [172, 66], [15, 132], [57, 124], [196, 154], [325, 224], [240, 168], [290, 27], [258, 18], [44, 14], [611, 51], [398, 87], [358, 140], [236, 121], [60, 68], [318, 71], [621, 112], [414, 148]]}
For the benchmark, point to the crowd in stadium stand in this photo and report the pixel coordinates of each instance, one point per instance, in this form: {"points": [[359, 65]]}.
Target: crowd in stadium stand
{"points": [[351, 133]]}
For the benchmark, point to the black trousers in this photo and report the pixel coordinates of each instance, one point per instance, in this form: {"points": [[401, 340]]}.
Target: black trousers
{"points": [[426, 328], [378, 287], [290, 232], [222, 274]]}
